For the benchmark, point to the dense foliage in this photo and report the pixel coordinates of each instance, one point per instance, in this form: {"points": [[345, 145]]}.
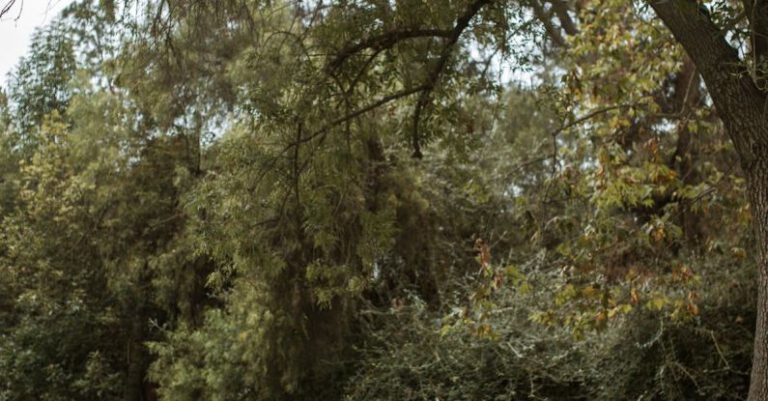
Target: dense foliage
{"points": [[370, 200]]}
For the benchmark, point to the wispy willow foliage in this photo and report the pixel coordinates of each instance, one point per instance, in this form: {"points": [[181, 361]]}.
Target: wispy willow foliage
{"points": [[308, 200]]}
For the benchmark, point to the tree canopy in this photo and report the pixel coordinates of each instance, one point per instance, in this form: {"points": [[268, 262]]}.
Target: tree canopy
{"points": [[386, 200]]}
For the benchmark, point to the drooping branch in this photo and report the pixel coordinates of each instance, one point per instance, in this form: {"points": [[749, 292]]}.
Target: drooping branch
{"points": [[374, 105], [321, 132], [387, 40], [434, 76]]}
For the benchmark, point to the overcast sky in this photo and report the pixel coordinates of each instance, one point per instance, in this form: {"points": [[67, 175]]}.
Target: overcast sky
{"points": [[15, 34]]}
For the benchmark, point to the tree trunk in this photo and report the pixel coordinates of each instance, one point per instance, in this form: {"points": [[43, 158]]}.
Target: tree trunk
{"points": [[758, 197]]}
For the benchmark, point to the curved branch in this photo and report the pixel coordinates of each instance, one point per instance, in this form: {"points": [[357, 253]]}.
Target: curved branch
{"points": [[6, 8], [385, 41], [460, 26], [386, 99]]}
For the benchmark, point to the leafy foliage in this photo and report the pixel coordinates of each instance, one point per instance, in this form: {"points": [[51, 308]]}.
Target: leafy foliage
{"points": [[249, 200]]}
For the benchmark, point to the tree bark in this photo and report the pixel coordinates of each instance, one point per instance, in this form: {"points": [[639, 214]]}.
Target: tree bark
{"points": [[758, 197]]}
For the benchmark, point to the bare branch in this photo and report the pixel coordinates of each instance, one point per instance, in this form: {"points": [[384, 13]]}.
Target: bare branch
{"points": [[6, 8]]}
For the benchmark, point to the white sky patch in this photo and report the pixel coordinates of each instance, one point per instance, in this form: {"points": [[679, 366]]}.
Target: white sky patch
{"points": [[17, 27]]}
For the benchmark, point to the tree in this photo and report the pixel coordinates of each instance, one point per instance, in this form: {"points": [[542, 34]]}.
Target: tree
{"points": [[90, 241], [38, 85], [737, 86]]}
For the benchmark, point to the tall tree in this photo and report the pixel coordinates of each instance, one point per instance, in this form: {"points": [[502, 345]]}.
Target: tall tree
{"points": [[736, 81]]}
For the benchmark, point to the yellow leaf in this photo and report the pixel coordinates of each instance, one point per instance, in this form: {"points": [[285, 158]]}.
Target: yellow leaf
{"points": [[657, 303]]}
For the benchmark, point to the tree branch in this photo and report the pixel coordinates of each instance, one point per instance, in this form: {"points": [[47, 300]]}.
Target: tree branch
{"points": [[560, 7], [386, 99], [589, 116], [460, 26], [700, 37], [385, 41], [6, 8], [736, 96], [546, 19]]}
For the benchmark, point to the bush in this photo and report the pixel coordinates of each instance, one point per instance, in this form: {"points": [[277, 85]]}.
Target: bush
{"points": [[643, 356]]}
